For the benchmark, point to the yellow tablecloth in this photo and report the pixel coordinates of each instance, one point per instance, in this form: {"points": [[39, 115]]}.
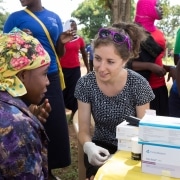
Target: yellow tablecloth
{"points": [[121, 167]]}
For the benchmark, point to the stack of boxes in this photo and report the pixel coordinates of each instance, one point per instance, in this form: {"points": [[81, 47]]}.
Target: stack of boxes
{"points": [[160, 137], [124, 134]]}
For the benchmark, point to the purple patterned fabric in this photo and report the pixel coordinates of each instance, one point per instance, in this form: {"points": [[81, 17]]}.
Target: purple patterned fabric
{"points": [[23, 151]]}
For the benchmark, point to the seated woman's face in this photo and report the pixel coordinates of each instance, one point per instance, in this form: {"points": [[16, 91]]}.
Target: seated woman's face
{"points": [[36, 82]]}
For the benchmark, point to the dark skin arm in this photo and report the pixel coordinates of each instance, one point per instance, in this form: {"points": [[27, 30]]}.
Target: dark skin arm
{"points": [[63, 39], [177, 71], [154, 68], [85, 58], [176, 58], [173, 69], [178, 76]]}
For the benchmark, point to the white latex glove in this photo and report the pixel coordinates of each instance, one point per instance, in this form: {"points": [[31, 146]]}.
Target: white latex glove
{"points": [[97, 155]]}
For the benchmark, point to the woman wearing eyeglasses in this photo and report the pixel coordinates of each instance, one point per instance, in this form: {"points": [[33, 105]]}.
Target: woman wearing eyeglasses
{"points": [[110, 92]]}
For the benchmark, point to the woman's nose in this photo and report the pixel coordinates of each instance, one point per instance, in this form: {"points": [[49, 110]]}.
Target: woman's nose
{"points": [[102, 66], [47, 81]]}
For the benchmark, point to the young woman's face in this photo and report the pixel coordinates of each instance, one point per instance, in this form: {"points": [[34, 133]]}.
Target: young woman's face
{"points": [[107, 63], [74, 26], [159, 9], [35, 82], [27, 2]]}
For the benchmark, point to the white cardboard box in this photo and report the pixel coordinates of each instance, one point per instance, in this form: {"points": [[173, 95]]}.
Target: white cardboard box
{"points": [[160, 130], [161, 161], [124, 145], [125, 131]]}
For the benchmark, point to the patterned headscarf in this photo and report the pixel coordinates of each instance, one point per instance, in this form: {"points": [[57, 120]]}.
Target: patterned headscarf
{"points": [[19, 51], [146, 14]]}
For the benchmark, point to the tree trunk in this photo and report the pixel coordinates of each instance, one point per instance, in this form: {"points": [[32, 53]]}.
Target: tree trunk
{"points": [[121, 11]]}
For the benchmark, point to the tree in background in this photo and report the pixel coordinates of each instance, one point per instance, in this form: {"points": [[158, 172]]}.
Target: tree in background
{"points": [[93, 14], [120, 9], [170, 23], [3, 16], [171, 19]]}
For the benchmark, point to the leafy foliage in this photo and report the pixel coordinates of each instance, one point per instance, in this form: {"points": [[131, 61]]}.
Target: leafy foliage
{"points": [[171, 19], [3, 16], [92, 16]]}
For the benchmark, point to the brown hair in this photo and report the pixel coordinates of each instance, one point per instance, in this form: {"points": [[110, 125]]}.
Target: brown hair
{"points": [[134, 32]]}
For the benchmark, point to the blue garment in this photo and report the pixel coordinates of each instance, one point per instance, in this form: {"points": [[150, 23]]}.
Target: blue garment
{"points": [[174, 87], [23, 151], [174, 102], [90, 51], [174, 99], [23, 20]]}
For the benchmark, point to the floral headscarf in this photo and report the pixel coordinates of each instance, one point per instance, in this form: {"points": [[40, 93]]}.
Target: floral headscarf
{"points": [[19, 51]]}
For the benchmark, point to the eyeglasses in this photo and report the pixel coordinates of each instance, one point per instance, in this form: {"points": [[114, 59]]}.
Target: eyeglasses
{"points": [[117, 37]]}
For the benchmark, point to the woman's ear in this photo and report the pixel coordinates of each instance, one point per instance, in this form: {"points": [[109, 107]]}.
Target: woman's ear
{"points": [[124, 63], [21, 75]]}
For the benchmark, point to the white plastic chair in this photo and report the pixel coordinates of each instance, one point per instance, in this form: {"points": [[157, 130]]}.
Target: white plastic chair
{"points": [[81, 167]]}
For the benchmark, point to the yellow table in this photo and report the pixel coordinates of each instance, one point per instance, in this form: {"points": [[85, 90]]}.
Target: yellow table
{"points": [[121, 167]]}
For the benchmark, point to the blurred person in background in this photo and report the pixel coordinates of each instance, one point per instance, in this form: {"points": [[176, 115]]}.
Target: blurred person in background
{"points": [[89, 50], [174, 95], [150, 61], [70, 63]]}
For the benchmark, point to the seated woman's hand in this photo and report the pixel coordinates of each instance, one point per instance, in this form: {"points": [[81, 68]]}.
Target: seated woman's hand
{"points": [[42, 111], [97, 155], [91, 178]]}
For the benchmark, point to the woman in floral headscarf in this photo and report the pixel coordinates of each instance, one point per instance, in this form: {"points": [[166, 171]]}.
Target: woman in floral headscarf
{"points": [[23, 79]]}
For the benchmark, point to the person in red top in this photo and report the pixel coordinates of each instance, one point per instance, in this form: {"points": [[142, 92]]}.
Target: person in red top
{"points": [[70, 63], [147, 11]]}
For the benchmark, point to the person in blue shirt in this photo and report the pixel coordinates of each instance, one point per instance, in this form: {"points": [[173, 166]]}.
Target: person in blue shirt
{"points": [[174, 98], [56, 124], [89, 50]]}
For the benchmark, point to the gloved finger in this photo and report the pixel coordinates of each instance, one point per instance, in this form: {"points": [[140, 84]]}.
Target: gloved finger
{"points": [[101, 158], [104, 152], [95, 162]]}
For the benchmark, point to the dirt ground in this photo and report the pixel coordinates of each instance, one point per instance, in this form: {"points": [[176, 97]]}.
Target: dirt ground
{"points": [[70, 172]]}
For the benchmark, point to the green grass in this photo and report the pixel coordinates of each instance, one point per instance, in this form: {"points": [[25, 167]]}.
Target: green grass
{"points": [[70, 172], [168, 61]]}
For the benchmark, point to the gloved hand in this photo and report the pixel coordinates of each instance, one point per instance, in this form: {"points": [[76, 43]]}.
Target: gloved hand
{"points": [[96, 154]]}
